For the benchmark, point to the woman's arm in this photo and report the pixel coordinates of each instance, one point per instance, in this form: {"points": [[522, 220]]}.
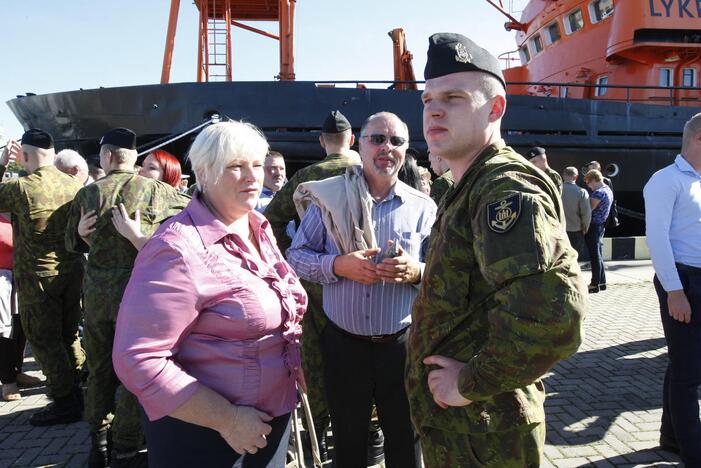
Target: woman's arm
{"points": [[594, 202], [127, 227]]}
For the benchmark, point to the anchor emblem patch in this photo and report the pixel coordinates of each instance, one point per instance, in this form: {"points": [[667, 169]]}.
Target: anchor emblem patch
{"points": [[502, 215]]}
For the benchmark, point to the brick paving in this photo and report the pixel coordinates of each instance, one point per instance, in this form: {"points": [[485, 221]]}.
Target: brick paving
{"points": [[603, 404]]}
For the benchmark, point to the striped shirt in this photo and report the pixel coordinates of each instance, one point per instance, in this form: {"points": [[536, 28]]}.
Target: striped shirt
{"points": [[405, 215]]}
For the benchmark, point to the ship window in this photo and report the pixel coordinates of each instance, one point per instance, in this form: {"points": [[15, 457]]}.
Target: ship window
{"points": [[525, 56], [537, 44], [666, 77], [574, 22], [689, 78], [600, 9], [552, 33], [601, 87]]}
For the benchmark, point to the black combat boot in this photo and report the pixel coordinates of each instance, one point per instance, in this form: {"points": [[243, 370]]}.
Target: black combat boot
{"points": [[64, 410], [100, 450]]}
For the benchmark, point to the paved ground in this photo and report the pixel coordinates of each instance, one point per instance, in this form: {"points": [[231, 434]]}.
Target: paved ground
{"points": [[603, 404]]}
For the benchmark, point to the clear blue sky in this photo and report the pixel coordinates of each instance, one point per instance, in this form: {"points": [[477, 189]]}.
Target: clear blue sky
{"points": [[51, 46]]}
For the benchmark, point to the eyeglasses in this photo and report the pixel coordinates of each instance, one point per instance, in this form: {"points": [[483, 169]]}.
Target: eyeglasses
{"points": [[380, 139]]}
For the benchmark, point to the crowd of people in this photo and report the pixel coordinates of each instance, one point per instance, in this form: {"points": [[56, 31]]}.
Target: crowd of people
{"points": [[419, 316]]}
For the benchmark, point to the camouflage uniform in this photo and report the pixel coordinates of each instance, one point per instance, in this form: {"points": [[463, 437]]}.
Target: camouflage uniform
{"points": [[279, 212], [556, 178], [47, 276], [441, 185], [502, 292], [109, 266]]}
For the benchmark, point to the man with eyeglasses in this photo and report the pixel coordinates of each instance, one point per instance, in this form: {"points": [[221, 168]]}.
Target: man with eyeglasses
{"points": [[361, 237], [502, 298]]}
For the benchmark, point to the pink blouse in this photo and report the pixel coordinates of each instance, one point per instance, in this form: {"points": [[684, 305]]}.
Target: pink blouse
{"points": [[199, 308]]}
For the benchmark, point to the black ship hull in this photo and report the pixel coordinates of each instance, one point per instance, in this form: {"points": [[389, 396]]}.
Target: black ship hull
{"points": [[631, 141]]}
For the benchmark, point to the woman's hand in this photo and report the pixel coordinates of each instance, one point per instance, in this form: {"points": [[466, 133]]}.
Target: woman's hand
{"points": [[301, 381], [246, 430], [127, 227], [86, 225]]}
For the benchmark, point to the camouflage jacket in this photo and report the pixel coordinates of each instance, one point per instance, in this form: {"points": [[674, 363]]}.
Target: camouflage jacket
{"points": [[39, 203], [556, 178], [281, 209], [502, 292], [441, 185], [111, 255]]}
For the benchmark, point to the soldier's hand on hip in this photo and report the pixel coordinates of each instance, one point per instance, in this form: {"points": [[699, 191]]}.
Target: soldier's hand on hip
{"points": [[86, 225], [357, 266], [399, 269], [443, 382], [679, 308]]}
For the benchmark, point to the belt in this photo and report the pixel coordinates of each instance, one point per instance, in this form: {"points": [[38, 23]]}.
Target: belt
{"points": [[381, 339], [689, 268]]}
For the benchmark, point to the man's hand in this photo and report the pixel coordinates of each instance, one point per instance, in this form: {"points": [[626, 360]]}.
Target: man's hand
{"points": [[399, 269], [678, 304], [357, 266], [443, 382], [10, 152], [86, 225]]}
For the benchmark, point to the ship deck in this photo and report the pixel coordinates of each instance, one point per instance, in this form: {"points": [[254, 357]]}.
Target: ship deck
{"points": [[603, 406]]}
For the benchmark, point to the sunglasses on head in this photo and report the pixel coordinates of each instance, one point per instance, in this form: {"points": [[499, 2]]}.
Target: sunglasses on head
{"points": [[380, 139]]}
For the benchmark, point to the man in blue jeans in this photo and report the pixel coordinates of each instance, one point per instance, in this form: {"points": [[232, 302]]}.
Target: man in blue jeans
{"points": [[673, 219]]}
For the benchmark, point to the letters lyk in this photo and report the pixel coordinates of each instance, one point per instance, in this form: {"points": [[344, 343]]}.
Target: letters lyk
{"points": [[676, 8]]}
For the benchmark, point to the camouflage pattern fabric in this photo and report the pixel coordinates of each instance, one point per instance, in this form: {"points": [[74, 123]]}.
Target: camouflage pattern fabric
{"points": [[502, 292], [45, 272], [280, 212], [441, 185], [518, 448], [109, 266], [556, 178]]}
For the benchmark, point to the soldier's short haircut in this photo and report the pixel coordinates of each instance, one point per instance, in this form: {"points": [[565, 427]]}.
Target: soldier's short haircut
{"points": [[691, 128], [219, 144], [386, 115], [120, 155], [489, 86], [338, 139], [570, 172], [68, 159]]}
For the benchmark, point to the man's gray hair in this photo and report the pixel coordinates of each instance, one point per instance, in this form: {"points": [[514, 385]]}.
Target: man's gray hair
{"points": [[120, 155], [68, 159], [570, 172], [219, 144], [386, 115]]}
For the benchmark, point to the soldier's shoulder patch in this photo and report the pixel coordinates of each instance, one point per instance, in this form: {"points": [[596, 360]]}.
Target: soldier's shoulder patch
{"points": [[503, 214]]}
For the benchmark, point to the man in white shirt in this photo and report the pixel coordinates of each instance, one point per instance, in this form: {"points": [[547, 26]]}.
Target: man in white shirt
{"points": [[673, 220]]}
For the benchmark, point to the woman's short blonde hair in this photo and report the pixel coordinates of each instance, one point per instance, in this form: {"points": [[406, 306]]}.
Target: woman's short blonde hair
{"points": [[219, 144], [593, 175]]}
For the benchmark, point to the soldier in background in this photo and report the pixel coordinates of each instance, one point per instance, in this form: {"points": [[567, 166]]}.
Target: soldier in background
{"points": [[444, 181], [502, 298], [336, 139], [90, 229], [47, 276], [539, 159]]}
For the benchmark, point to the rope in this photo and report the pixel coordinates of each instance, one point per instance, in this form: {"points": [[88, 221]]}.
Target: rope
{"points": [[631, 213], [213, 119]]}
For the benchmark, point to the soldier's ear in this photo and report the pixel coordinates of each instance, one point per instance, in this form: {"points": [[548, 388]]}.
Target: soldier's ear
{"points": [[321, 141], [498, 108], [352, 140]]}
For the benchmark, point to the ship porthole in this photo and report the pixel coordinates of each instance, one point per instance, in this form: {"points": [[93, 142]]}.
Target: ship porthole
{"points": [[612, 170]]}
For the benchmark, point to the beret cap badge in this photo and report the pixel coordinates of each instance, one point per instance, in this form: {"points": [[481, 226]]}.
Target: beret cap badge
{"points": [[461, 53]]}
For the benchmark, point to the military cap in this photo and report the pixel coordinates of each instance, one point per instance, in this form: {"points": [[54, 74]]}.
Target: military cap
{"points": [[536, 151], [454, 53], [335, 123], [121, 137], [38, 138]]}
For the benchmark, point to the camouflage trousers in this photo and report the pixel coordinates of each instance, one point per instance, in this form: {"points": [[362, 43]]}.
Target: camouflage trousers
{"points": [[519, 448], [101, 412], [313, 324], [50, 312]]}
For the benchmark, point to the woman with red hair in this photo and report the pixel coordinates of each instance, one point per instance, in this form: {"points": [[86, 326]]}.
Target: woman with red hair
{"points": [[163, 166]]}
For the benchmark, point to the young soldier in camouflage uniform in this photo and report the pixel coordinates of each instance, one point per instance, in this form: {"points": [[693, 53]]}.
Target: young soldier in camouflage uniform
{"points": [[110, 261], [46, 275], [539, 159], [336, 139], [444, 181], [502, 298]]}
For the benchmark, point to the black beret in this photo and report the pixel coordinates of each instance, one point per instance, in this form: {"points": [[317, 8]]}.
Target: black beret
{"points": [[38, 138], [536, 151], [335, 123], [454, 53], [121, 137]]}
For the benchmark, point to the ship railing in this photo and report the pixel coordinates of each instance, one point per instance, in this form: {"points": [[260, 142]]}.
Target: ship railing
{"points": [[669, 94]]}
